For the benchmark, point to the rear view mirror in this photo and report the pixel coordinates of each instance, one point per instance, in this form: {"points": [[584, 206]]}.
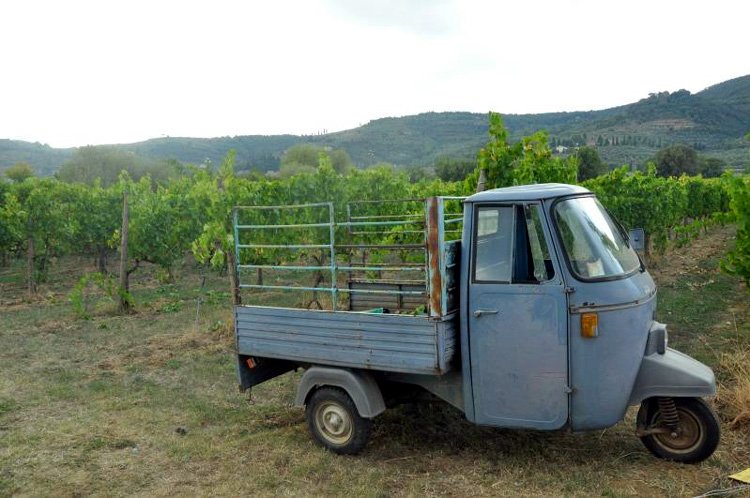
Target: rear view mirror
{"points": [[637, 238]]}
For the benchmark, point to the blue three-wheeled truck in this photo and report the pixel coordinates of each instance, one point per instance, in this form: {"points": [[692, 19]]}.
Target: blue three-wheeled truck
{"points": [[523, 307]]}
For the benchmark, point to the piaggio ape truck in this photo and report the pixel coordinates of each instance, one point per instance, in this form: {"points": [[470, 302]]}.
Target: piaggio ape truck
{"points": [[524, 307]]}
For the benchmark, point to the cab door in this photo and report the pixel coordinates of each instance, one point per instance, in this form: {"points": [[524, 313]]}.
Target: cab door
{"points": [[517, 320]]}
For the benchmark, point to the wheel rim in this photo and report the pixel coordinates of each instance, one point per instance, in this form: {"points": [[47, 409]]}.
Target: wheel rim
{"points": [[334, 423], [688, 437]]}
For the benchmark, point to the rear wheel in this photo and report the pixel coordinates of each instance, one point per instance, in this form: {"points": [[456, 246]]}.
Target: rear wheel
{"points": [[335, 423], [684, 430]]}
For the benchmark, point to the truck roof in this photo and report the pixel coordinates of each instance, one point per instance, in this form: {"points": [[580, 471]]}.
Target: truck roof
{"points": [[527, 192]]}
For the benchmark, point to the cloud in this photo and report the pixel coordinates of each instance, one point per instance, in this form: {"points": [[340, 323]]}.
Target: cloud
{"points": [[421, 17]]}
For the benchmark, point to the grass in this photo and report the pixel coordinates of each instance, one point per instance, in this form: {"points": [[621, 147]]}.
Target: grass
{"points": [[146, 404], [734, 396]]}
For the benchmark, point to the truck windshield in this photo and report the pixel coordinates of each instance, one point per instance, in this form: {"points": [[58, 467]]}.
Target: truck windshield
{"points": [[594, 245]]}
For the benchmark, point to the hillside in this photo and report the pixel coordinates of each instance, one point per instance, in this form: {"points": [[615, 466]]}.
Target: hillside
{"points": [[714, 121], [44, 158]]}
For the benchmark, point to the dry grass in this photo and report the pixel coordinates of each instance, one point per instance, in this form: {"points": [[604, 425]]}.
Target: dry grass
{"points": [[147, 405], [734, 394]]}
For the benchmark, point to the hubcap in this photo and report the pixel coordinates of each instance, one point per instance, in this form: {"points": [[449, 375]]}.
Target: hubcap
{"points": [[334, 423], [686, 438]]}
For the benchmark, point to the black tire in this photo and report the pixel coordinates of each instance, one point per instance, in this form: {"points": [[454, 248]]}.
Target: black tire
{"points": [[698, 435], [335, 422]]}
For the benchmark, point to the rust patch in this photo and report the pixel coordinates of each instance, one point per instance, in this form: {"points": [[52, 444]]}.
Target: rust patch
{"points": [[433, 257]]}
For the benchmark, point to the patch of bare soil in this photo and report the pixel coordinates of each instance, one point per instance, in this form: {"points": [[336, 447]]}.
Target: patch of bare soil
{"points": [[162, 348], [682, 261]]}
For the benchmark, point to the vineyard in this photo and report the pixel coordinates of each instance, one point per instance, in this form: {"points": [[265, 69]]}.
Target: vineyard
{"points": [[45, 219]]}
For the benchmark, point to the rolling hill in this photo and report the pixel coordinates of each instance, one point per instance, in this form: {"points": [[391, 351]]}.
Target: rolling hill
{"points": [[714, 121]]}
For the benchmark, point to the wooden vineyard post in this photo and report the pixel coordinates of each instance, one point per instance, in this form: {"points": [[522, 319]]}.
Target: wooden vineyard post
{"points": [[124, 274]]}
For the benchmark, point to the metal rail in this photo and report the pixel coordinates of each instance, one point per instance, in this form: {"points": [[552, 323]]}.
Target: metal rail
{"points": [[321, 207], [430, 222]]}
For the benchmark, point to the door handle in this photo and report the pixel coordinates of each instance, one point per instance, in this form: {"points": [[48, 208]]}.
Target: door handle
{"points": [[478, 313]]}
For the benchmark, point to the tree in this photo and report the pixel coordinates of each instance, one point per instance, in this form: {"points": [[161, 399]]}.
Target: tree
{"points": [[496, 158], [522, 163], [11, 225], [304, 158], [537, 165], [302, 154], [87, 164], [215, 244], [452, 169], [419, 173], [19, 172], [340, 160], [99, 214], [292, 169], [737, 261], [676, 160], [104, 163], [48, 221], [160, 226], [711, 167], [590, 165]]}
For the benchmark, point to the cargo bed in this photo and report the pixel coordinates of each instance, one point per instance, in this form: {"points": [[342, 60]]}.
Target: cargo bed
{"points": [[378, 341]]}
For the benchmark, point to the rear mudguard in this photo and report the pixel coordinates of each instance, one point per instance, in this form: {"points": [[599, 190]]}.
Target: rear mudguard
{"points": [[672, 374], [359, 385]]}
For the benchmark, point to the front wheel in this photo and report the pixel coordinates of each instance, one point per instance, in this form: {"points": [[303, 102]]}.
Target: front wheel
{"points": [[683, 430], [335, 423]]}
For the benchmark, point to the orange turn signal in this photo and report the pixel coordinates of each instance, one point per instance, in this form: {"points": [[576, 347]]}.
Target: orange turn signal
{"points": [[250, 363], [589, 325]]}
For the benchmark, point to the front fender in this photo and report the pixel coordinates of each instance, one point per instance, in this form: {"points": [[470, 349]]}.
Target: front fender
{"points": [[672, 374]]}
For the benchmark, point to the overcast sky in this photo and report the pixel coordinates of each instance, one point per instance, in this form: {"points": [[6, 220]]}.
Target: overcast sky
{"points": [[90, 72]]}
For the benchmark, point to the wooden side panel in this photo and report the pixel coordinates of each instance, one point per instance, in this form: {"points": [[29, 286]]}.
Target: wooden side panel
{"points": [[363, 301]]}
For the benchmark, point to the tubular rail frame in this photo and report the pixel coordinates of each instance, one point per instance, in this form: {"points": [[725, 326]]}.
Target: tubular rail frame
{"points": [[439, 254]]}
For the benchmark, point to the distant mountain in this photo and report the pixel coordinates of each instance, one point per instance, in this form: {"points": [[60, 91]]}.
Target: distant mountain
{"points": [[714, 121], [44, 158]]}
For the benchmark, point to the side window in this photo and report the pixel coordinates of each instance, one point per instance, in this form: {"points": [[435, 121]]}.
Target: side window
{"points": [[510, 245], [493, 239]]}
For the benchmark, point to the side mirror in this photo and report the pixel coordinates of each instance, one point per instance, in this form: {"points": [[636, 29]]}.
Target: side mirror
{"points": [[637, 238]]}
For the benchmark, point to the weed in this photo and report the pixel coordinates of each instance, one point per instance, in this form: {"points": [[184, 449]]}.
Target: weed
{"points": [[173, 364], [217, 297], [6, 486], [171, 307], [104, 283], [7, 405]]}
